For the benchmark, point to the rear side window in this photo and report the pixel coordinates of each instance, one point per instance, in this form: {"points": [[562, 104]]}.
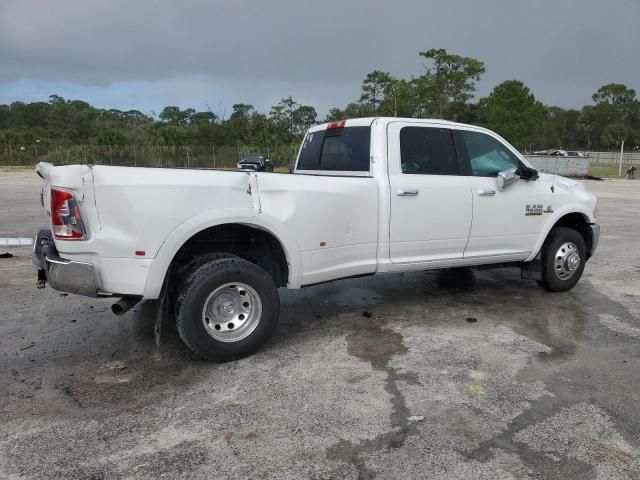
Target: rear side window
{"points": [[487, 156], [428, 151], [339, 149]]}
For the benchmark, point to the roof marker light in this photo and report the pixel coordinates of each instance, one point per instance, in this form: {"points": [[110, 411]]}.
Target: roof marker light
{"points": [[338, 124]]}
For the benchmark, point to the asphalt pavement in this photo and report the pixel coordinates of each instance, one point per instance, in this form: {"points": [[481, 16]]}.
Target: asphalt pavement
{"points": [[472, 374]]}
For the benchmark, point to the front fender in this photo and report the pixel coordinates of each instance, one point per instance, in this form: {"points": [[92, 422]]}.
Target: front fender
{"points": [[189, 228], [553, 219]]}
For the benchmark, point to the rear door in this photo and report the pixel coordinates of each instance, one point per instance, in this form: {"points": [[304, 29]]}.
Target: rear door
{"points": [[430, 199], [330, 204]]}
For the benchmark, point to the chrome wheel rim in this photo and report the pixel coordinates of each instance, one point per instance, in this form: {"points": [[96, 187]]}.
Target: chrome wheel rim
{"points": [[232, 312], [567, 261]]}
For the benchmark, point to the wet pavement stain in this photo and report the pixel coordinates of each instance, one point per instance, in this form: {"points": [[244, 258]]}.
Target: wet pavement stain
{"points": [[456, 278], [372, 343], [570, 372], [539, 411]]}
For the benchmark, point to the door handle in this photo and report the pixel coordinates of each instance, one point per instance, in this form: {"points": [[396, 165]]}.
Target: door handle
{"points": [[409, 192], [486, 193]]}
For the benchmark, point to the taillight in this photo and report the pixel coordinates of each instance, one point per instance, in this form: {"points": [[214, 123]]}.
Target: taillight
{"points": [[66, 220]]}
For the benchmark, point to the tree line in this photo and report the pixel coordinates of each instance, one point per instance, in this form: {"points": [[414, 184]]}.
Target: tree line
{"points": [[444, 89]]}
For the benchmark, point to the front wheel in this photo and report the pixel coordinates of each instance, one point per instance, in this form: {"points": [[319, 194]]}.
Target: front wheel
{"points": [[228, 309], [563, 259]]}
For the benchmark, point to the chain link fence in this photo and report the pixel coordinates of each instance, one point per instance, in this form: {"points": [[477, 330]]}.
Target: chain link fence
{"points": [[192, 156], [143, 155], [613, 158]]}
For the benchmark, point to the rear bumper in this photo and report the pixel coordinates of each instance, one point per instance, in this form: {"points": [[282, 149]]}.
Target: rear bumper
{"points": [[595, 238], [62, 274]]}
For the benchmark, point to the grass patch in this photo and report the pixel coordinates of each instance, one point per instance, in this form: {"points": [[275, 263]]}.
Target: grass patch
{"points": [[609, 171], [13, 168]]}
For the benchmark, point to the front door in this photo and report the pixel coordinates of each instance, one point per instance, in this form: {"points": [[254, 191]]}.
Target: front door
{"points": [[430, 200], [505, 222]]}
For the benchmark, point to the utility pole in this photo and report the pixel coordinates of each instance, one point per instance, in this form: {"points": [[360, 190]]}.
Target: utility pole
{"points": [[621, 156]]}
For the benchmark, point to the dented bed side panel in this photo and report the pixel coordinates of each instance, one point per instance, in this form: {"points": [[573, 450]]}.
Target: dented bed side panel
{"points": [[139, 207]]}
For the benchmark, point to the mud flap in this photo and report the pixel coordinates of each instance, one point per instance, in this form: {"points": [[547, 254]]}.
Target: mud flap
{"points": [[42, 279], [162, 313], [532, 270]]}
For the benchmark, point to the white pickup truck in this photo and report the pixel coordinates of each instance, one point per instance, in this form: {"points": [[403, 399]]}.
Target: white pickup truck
{"points": [[367, 196]]}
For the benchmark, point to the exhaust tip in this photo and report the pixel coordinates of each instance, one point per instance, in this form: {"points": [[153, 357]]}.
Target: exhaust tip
{"points": [[117, 309], [123, 305]]}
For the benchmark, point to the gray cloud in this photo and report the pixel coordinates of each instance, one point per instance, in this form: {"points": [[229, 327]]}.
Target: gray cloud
{"points": [[317, 51]]}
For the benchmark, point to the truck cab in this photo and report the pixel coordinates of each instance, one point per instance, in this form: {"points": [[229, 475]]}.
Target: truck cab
{"points": [[446, 194]]}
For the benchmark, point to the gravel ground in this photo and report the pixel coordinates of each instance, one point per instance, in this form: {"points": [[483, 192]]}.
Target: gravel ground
{"points": [[425, 375]]}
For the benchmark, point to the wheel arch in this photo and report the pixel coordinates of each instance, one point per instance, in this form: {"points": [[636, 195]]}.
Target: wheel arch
{"points": [[578, 219], [189, 230]]}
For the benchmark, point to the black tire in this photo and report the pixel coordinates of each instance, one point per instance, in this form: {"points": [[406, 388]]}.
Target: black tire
{"points": [[551, 275], [183, 273], [201, 284]]}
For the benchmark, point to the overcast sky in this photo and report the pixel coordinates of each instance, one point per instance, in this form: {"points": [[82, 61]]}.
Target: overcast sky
{"points": [[146, 54]]}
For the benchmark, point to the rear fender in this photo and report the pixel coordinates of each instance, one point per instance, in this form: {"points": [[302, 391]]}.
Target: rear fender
{"points": [[188, 229]]}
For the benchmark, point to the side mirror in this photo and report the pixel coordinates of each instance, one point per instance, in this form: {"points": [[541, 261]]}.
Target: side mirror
{"points": [[527, 173], [506, 178]]}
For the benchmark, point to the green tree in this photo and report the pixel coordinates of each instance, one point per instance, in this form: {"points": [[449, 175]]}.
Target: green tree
{"points": [[615, 94], [560, 129], [303, 118], [512, 111], [614, 134], [203, 118], [175, 116], [282, 114], [399, 99], [352, 110], [238, 126], [448, 84], [586, 124], [616, 106], [375, 87]]}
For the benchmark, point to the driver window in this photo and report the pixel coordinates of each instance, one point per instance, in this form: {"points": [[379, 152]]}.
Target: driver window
{"points": [[487, 156]]}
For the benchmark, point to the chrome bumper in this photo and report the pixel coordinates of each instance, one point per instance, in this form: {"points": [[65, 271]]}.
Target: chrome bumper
{"points": [[62, 274], [595, 238]]}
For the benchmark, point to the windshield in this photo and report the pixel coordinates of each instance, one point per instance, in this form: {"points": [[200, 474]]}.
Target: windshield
{"points": [[337, 149]]}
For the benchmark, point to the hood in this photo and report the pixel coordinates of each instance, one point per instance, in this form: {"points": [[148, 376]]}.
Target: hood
{"points": [[559, 181]]}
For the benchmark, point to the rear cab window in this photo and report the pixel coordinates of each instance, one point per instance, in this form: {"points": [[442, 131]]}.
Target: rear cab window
{"points": [[336, 149]]}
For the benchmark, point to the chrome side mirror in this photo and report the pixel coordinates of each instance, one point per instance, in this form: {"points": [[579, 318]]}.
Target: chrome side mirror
{"points": [[506, 178]]}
